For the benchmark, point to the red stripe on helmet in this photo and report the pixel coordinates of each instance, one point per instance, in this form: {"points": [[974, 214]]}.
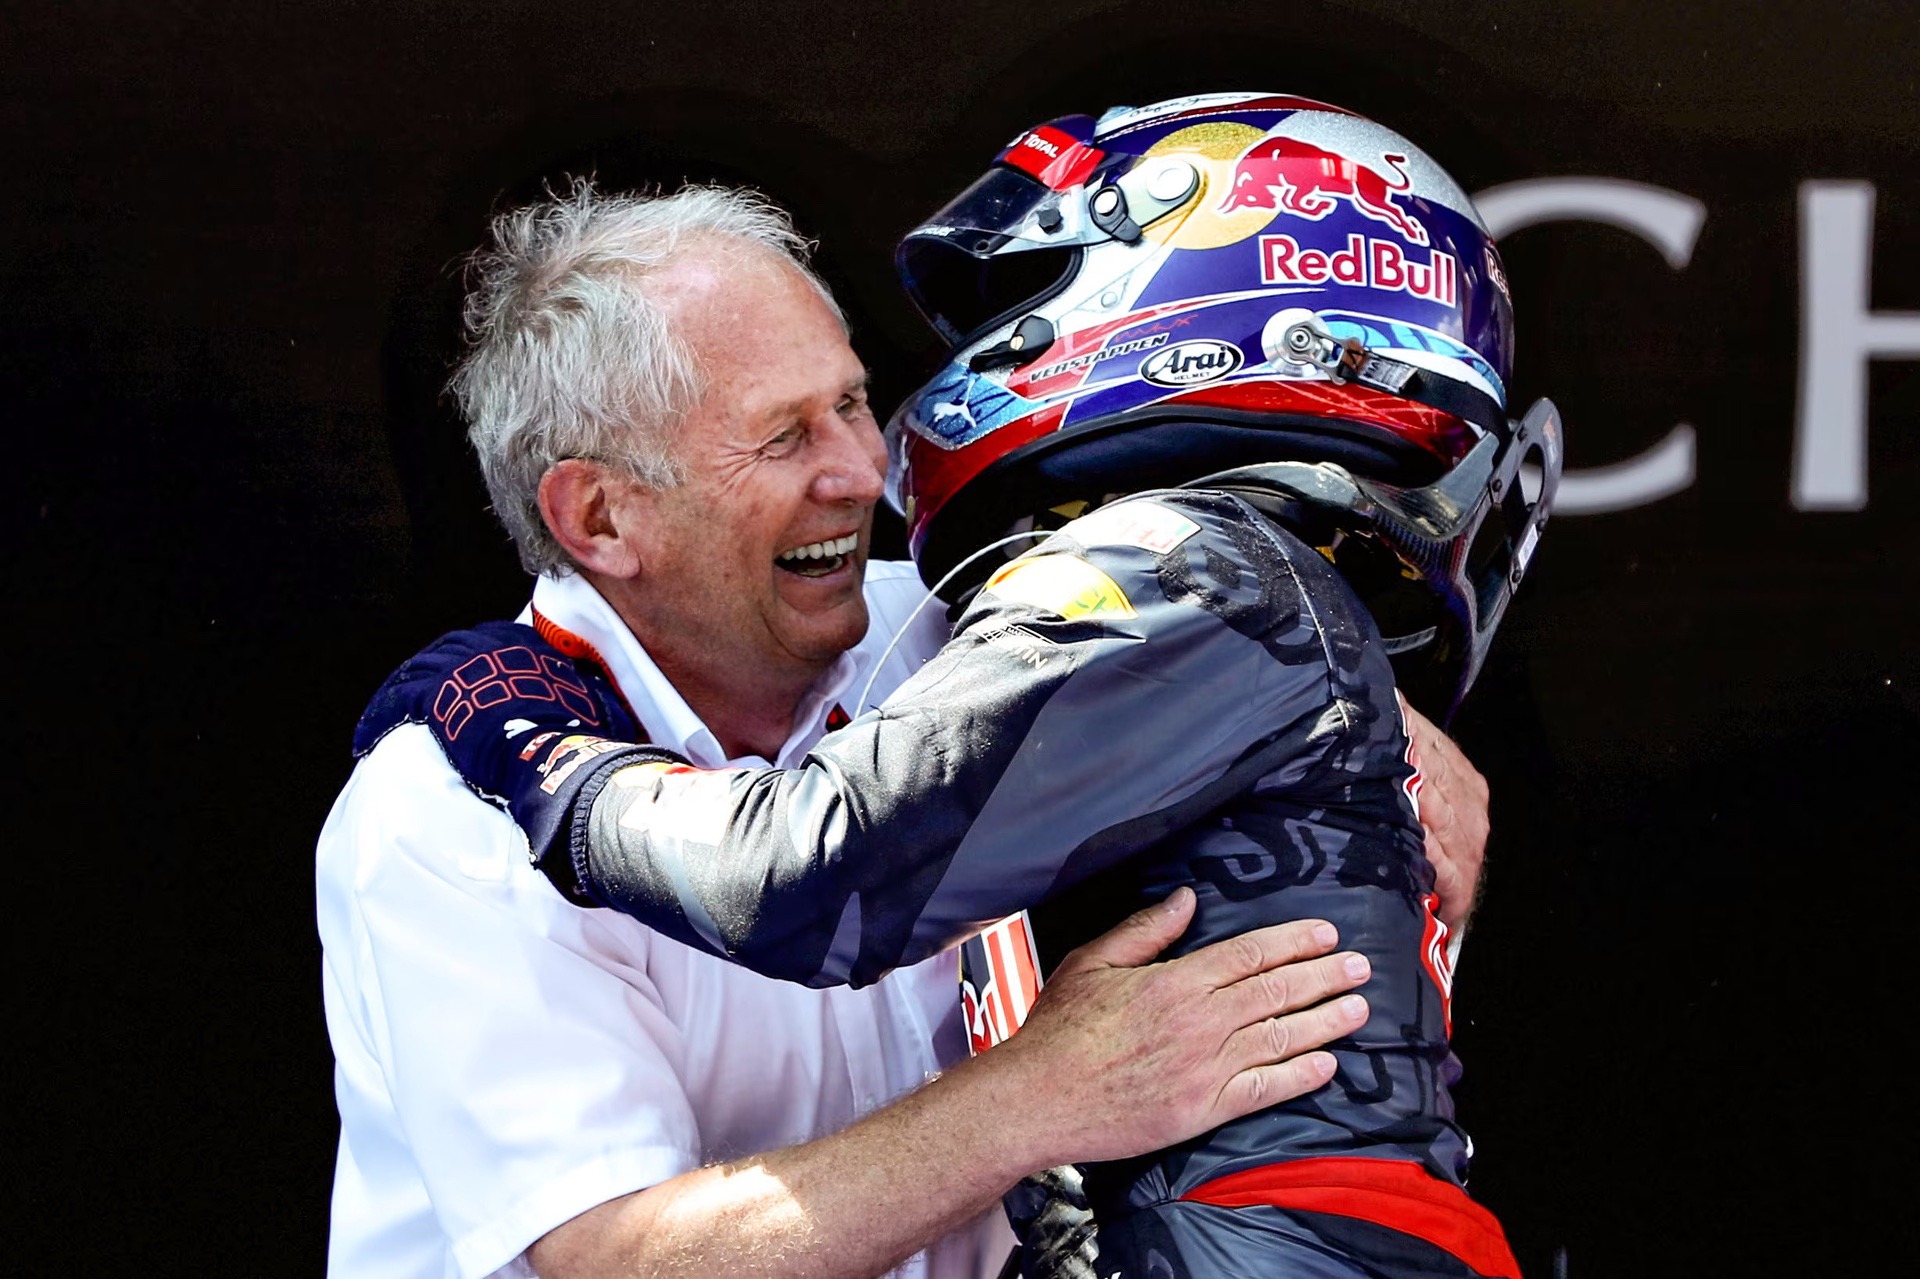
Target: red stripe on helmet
{"points": [[1442, 434], [936, 474]]}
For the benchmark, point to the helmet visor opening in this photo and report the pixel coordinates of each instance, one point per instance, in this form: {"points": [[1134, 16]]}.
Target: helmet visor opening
{"points": [[963, 293]]}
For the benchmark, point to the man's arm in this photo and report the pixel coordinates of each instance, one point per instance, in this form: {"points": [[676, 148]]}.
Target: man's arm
{"points": [[1119, 1057], [1098, 696]]}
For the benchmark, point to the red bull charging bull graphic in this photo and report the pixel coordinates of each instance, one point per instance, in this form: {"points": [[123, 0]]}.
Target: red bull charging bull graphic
{"points": [[1304, 180]]}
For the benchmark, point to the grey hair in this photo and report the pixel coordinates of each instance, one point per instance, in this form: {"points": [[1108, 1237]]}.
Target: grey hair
{"points": [[569, 354]]}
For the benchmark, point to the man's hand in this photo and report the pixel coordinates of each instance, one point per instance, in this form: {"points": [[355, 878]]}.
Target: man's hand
{"points": [[1453, 809], [1122, 1056]]}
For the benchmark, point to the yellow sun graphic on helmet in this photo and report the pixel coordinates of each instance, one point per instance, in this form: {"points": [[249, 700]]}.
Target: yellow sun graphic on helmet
{"points": [[1213, 147]]}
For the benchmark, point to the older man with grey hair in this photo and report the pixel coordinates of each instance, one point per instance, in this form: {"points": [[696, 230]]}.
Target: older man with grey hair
{"points": [[676, 432]]}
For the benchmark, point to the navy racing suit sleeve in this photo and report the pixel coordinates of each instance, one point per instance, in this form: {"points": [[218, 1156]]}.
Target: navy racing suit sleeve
{"points": [[1127, 677]]}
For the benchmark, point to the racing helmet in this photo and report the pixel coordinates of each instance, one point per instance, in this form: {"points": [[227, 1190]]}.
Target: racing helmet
{"points": [[1249, 291]]}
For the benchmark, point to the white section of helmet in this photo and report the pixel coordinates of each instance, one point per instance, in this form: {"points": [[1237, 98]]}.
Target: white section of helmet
{"points": [[1353, 135]]}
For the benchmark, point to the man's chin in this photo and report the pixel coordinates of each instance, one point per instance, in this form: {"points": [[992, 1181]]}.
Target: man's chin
{"points": [[822, 636]]}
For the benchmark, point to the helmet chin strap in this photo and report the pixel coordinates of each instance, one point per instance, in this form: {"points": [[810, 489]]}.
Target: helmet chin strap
{"points": [[1308, 342]]}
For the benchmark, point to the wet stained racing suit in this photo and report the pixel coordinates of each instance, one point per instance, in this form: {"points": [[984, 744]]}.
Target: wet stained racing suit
{"points": [[1171, 690]]}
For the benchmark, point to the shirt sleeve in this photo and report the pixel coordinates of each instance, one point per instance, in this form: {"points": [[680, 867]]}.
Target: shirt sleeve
{"points": [[1122, 681], [529, 1068]]}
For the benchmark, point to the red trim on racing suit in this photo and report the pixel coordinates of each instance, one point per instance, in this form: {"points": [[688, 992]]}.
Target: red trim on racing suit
{"points": [[1384, 1191]]}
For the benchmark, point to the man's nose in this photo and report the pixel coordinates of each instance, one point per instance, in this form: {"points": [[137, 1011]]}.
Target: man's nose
{"points": [[854, 467]]}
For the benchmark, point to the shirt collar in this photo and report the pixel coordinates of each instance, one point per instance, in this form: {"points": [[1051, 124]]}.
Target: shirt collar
{"points": [[572, 602]]}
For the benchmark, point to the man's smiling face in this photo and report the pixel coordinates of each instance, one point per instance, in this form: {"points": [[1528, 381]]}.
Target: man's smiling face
{"points": [[754, 565]]}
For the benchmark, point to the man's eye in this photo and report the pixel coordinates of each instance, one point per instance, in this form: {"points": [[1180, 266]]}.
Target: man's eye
{"points": [[853, 406], [783, 442]]}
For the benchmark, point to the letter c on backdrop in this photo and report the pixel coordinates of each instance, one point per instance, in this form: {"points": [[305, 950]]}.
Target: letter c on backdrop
{"points": [[1671, 223]]}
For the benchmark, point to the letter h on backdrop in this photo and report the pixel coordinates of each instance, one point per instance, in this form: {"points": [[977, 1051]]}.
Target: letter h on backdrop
{"points": [[1839, 332]]}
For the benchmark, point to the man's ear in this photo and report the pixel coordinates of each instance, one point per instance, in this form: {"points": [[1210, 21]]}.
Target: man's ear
{"points": [[587, 508]]}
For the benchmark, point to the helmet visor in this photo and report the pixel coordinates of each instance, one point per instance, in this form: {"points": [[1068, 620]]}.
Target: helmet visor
{"points": [[1006, 240]]}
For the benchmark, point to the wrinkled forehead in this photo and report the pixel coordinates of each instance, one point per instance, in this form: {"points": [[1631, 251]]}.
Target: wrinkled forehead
{"points": [[767, 344]]}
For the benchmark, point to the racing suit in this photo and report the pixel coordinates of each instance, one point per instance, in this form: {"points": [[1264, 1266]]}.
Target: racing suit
{"points": [[1171, 690]]}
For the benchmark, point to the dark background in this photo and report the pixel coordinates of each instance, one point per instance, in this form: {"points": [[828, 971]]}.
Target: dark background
{"points": [[229, 246]]}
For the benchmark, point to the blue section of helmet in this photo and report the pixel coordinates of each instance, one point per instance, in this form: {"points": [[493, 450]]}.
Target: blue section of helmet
{"points": [[960, 406], [1473, 313], [1234, 320], [1380, 333], [1485, 319]]}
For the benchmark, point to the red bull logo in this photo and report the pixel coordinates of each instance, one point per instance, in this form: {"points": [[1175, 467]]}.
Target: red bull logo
{"points": [[1301, 179], [1365, 262]]}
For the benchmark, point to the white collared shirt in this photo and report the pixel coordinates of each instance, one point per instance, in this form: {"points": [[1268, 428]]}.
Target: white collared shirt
{"points": [[505, 1061]]}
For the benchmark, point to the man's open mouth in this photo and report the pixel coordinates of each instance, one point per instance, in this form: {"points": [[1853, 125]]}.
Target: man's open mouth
{"points": [[817, 559]]}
